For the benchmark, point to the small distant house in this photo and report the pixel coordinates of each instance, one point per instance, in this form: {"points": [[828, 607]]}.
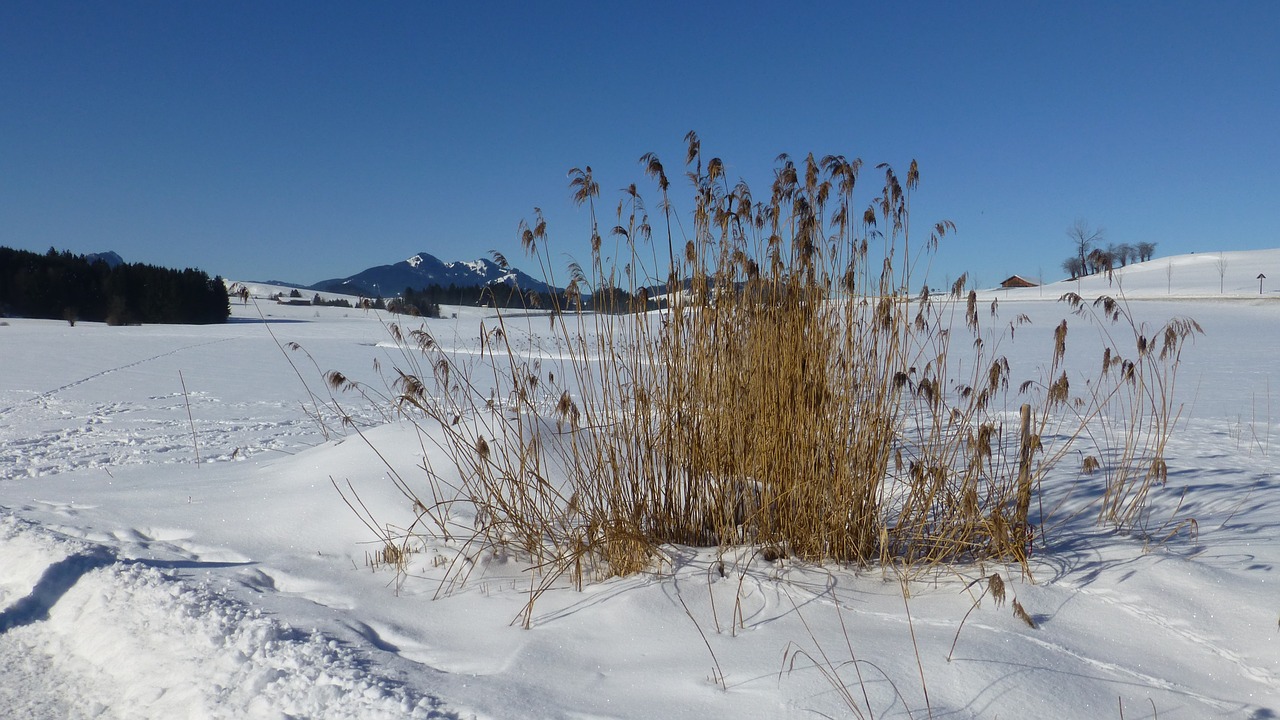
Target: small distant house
{"points": [[1017, 281]]}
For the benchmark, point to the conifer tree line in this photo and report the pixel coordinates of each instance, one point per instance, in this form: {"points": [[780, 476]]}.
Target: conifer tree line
{"points": [[61, 285], [426, 301]]}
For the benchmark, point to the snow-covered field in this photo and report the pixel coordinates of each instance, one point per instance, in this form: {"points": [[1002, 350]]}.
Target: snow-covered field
{"points": [[138, 583]]}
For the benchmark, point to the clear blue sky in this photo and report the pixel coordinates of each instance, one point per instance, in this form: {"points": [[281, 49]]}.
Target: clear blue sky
{"points": [[307, 140]]}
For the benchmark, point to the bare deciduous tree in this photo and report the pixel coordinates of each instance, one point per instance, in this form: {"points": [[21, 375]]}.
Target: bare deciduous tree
{"points": [[1084, 238], [1122, 253], [1073, 267]]}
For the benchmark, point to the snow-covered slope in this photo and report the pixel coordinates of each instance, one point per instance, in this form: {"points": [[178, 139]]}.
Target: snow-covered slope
{"points": [[136, 582], [1228, 274]]}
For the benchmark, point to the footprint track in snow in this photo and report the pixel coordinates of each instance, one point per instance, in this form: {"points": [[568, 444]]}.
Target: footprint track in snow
{"points": [[102, 373], [1184, 632]]}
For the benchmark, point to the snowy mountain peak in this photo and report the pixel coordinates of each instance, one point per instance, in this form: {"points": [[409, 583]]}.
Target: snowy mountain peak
{"points": [[479, 267], [110, 257], [423, 258], [423, 270]]}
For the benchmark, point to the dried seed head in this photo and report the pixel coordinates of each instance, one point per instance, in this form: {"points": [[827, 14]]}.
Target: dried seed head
{"points": [[411, 388], [336, 380], [994, 376], [441, 368], [982, 442], [422, 338], [1022, 615], [884, 313], [995, 586], [981, 401], [1159, 470], [926, 390], [1059, 391], [482, 448]]}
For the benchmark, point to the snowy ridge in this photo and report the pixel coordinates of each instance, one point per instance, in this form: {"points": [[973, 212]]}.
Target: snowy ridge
{"points": [[126, 639]]}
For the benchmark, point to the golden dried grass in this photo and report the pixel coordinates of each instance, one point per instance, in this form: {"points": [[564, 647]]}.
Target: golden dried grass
{"points": [[781, 389]]}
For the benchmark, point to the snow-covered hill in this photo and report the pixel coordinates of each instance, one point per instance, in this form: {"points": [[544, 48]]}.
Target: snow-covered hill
{"points": [[1228, 274]]}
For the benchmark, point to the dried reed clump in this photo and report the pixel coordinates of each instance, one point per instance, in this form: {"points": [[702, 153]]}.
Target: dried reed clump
{"points": [[779, 386]]}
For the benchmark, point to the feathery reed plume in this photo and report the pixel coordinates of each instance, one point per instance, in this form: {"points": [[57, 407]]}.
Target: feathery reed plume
{"points": [[1021, 613]]}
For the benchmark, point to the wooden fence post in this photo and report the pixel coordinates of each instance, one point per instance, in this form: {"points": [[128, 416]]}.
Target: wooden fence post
{"points": [[1025, 451]]}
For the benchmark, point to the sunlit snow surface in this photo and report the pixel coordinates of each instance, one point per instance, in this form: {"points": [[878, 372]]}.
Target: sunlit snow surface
{"points": [[136, 583]]}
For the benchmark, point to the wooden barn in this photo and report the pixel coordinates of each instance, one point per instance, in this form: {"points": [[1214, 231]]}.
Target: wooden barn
{"points": [[1017, 281]]}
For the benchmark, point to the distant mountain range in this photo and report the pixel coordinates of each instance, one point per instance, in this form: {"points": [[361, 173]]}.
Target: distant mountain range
{"points": [[424, 270]]}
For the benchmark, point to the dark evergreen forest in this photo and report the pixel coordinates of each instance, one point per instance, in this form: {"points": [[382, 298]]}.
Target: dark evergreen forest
{"points": [[606, 300], [69, 287]]}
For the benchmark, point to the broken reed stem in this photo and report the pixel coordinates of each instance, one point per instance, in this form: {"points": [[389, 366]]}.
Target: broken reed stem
{"points": [[719, 673], [194, 443], [924, 686]]}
